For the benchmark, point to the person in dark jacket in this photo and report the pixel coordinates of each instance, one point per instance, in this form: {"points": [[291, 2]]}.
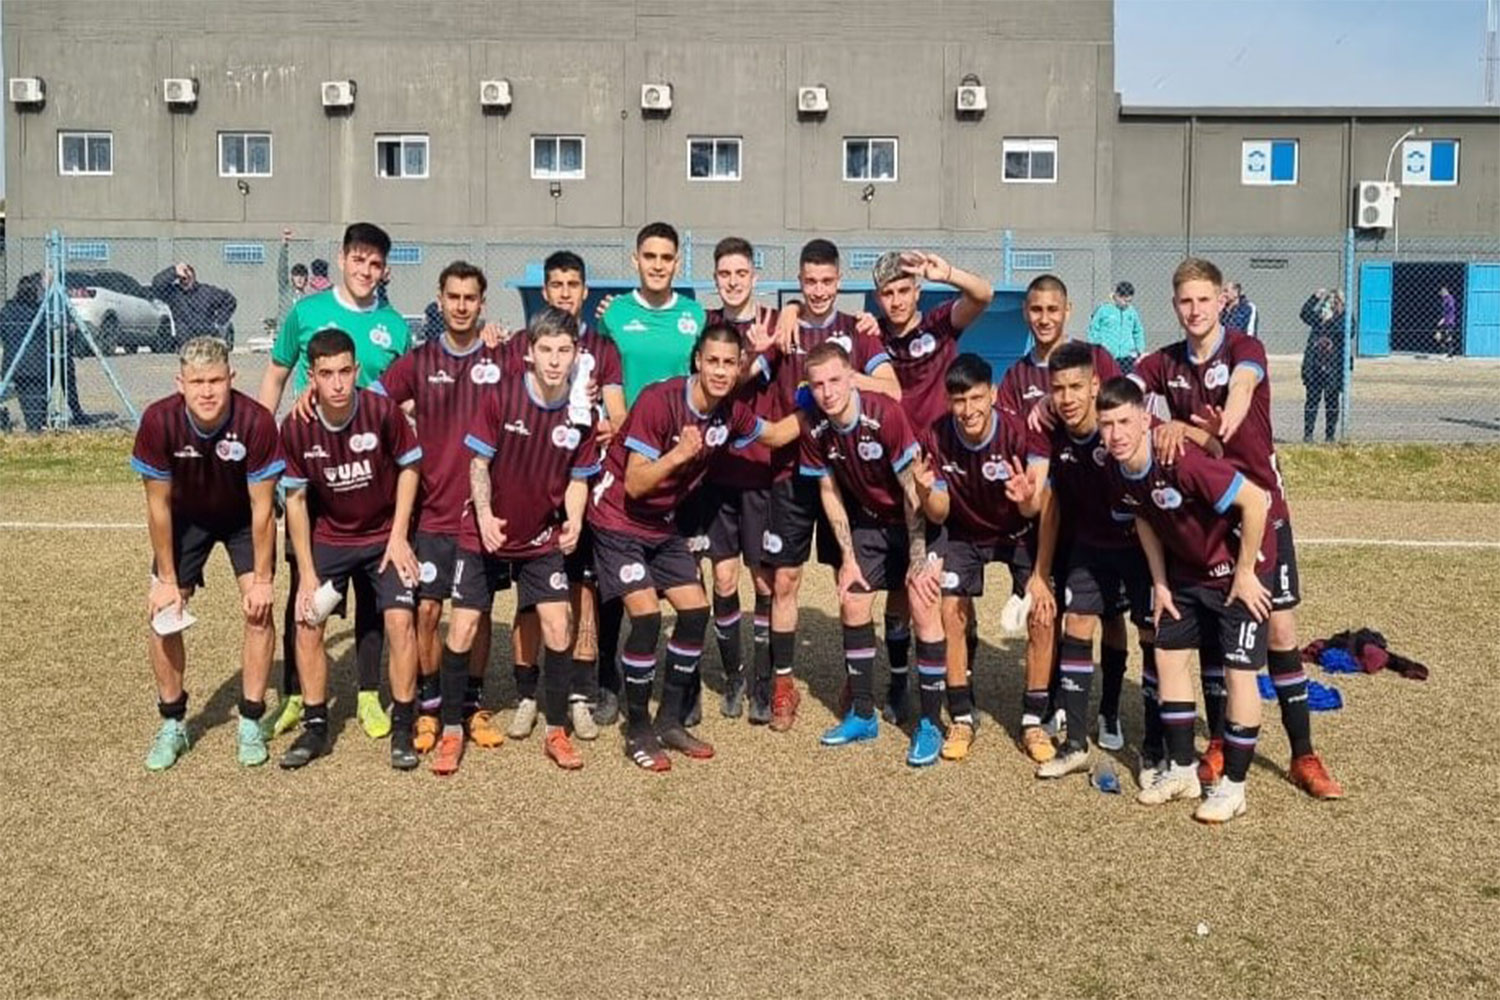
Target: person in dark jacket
{"points": [[30, 380], [196, 308], [1323, 361]]}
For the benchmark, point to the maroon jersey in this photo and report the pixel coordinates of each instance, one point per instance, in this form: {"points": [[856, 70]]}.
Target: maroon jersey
{"points": [[1078, 471], [1190, 387], [607, 367], [748, 468], [1188, 505], [448, 389], [921, 359], [863, 457], [350, 471], [976, 474], [653, 428], [210, 473], [1028, 382], [534, 452]]}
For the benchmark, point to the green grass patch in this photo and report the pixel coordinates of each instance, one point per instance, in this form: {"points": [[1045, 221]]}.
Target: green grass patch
{"points": [[1448, 473], [78, 459]]}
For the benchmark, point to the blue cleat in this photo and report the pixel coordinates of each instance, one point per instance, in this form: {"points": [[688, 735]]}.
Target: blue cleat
{"points": [[170, 743], [926, 744], [854, 729]]}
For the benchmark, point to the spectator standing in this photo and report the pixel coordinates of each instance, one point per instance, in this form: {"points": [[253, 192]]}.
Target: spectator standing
{"points": [[318, 280], [197, 309], [1323, 361], [31, 379], [1240, 314], [1447, 325], [291, 279], [1116, 326]]}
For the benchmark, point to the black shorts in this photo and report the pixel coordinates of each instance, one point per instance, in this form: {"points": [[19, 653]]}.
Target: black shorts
{"points": [[736, 522], [794, 512], [478, 577], [964, 563], [191, 544], [1205, 613], [883, 555], [1106, 581], [340, 563], [1286, 588], [626, 563], [436, 554], [579, 564]]}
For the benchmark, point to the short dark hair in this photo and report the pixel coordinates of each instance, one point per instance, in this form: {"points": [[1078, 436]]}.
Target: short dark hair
{"points": [[966, 372], [826, 351], [1047, 283], [464, 271], [367, 234], [329, 343], [716, 332], [299, 269], [1120, 391], [731, 246], [657, 230], [564, 260], [1125, 290], [1070, 355], [319, 267], [819, 252], [550, 321]]}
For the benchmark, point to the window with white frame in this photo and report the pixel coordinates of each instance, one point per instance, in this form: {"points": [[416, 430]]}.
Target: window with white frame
{"points": [[1029, 161], [244, 154], [869, 158], [1268, 162], [557, 157], [714, 159], [85, 154], [401, 156]]}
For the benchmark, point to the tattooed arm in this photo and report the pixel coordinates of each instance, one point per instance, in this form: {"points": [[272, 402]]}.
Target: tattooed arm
{"points": [[491, 528], [850, 579], [924, 574]]}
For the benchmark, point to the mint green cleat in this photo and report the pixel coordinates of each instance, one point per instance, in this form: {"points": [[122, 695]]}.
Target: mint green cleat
{"points": [[171, 742], [251, 744], [287, 718], [374, 720]]}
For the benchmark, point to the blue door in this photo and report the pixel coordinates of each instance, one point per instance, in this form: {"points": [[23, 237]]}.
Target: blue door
{"points": [[1374, 317], [1482, 312]]}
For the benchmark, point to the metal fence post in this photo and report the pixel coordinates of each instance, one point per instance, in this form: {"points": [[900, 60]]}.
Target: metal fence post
{"points": [[1345, 408], [687, 254], [1007, 246]]}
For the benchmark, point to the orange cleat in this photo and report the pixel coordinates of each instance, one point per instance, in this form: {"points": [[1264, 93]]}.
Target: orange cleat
{"points": [[1310, 774], [560, 749], [450, 750], [426, 733], [483, 731], [784, 701], [1211, 764]]}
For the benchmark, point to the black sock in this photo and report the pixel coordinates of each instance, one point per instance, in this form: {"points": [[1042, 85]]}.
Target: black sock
{"points": [[174, 709], [1291, 692], [430, 693], [315, 716], [1112, 666], [961, 703], [859, 661], [526, 676], [971, 646], [1239, 748], [898, 651], [251, 710], [684, 653], [1033, 706], [290, 682], [403, 714], [611, 619], [584, 682], [369, 640], [1177, 718], [1076, 673], [784, 651], [453, 675], [761, 634], [1153, 742], [932, 672], [473, 694], [555, 680], [1215, 696], [638, 663], [727, 634]]}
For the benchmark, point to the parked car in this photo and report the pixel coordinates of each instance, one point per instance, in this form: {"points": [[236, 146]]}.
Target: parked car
{"points": [[119, 312]]}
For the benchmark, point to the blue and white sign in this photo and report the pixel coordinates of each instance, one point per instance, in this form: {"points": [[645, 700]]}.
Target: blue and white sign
{"points": [[1268, 161], [1429, 161]]}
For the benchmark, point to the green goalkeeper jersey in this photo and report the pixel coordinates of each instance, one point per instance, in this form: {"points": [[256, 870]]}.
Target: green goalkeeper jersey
{"points": [[654, 343], [379, 333]]}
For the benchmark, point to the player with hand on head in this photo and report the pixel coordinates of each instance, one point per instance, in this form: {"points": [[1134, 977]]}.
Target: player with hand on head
{"points": [[209, 457], [355, 464]]}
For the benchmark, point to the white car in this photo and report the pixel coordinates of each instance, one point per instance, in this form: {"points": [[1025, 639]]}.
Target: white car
{"points": [[119, 312]]}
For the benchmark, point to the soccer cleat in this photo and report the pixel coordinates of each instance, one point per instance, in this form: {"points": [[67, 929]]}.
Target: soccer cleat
{"points": [[289, 717], [450, 752], [1310, 774], [404, 756], [309, 745], [897, 710], [853, 729], [582, 719], [1056, 725], [170, 743], [250, 744], [1224, 802], [606, 711], [1111, 735], [1070, 761], [694, 713], [1037, 744], [426, 738], [1148, 771], [1179, 781], [759, 712], [1211, 764], [642, 746], [784, 701], [960, 740], [559, 748], [675, 737], [733, 705], [372, 718], [482, 729], [926, 744], [524, 719]]}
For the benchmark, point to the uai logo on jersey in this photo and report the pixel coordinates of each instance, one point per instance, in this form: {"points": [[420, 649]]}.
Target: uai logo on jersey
{"points": [[1216, 376], [687, 325], [1166, 498], [363, 442], [923, 345], [870, 450], [380, 336], [566, 437], [485, 373], [716, 435], [995, 471], [230, 451]]}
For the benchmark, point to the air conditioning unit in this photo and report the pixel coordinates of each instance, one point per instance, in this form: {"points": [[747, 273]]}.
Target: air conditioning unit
{"points": [[970, 99], [1375, 205], [179, 90], [494, 93], [656, 97], [338, 93], [27, 90], [812, 100]]}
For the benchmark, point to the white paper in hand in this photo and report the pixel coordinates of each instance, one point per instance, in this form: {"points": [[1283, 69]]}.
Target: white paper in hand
{"points": [[170, 621], [325, 599], [580, 410]]}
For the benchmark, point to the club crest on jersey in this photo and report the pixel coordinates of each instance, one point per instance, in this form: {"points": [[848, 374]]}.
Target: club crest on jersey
{"points": [[485, 373], [428, 572], [1166, 498], [363, 442], [870, 450], [1100, 454], [1216, 376], [950, 580], [716, 435], [770, 541], [230, 451], [995, 471], [697, 544], [844, 341], [557, 581], [380, 336], [687, 325], [566, 437], [923, 346], [632, 573]]}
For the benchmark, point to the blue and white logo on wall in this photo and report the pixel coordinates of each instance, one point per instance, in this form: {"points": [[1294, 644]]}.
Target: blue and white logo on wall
{"points": [[1429, 161], [1268, 161]]}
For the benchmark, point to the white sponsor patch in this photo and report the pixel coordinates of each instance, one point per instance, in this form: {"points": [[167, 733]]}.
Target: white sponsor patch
{"points": [[697, 543], [429, 572], [950, 580], [558, 581], [632, 573], [771, 542]]}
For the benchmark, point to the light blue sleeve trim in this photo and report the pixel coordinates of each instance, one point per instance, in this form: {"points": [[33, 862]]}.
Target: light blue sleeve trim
{"points": [[411, 457], [904, 459], [478, 447], [1121, 517], [149, 471], [1260, 373], [808, 470], [753, 436], [586, 471], [880, 359], [940, 485], [269, 472], [642, 448], [1230, 492], [1033, 459], [290, 483], [378, 389]]}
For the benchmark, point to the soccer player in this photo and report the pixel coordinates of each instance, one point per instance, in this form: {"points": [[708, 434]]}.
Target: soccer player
{"points": [[656, 460], [443, 384], [979, 452], [356, 465], [209, 457], [523, 434], [380, 336], [1202, 525], [1219, 380], [653, 327], [795, 504], [875, 489]]}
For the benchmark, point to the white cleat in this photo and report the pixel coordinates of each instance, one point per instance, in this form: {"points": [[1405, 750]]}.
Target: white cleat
{"points": [[1180, 781], [524, 719], [1070, 761], [1225, 801]]}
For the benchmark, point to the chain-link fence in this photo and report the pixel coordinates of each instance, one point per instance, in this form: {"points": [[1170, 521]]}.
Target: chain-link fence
{"points": [[1423, 319]]}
